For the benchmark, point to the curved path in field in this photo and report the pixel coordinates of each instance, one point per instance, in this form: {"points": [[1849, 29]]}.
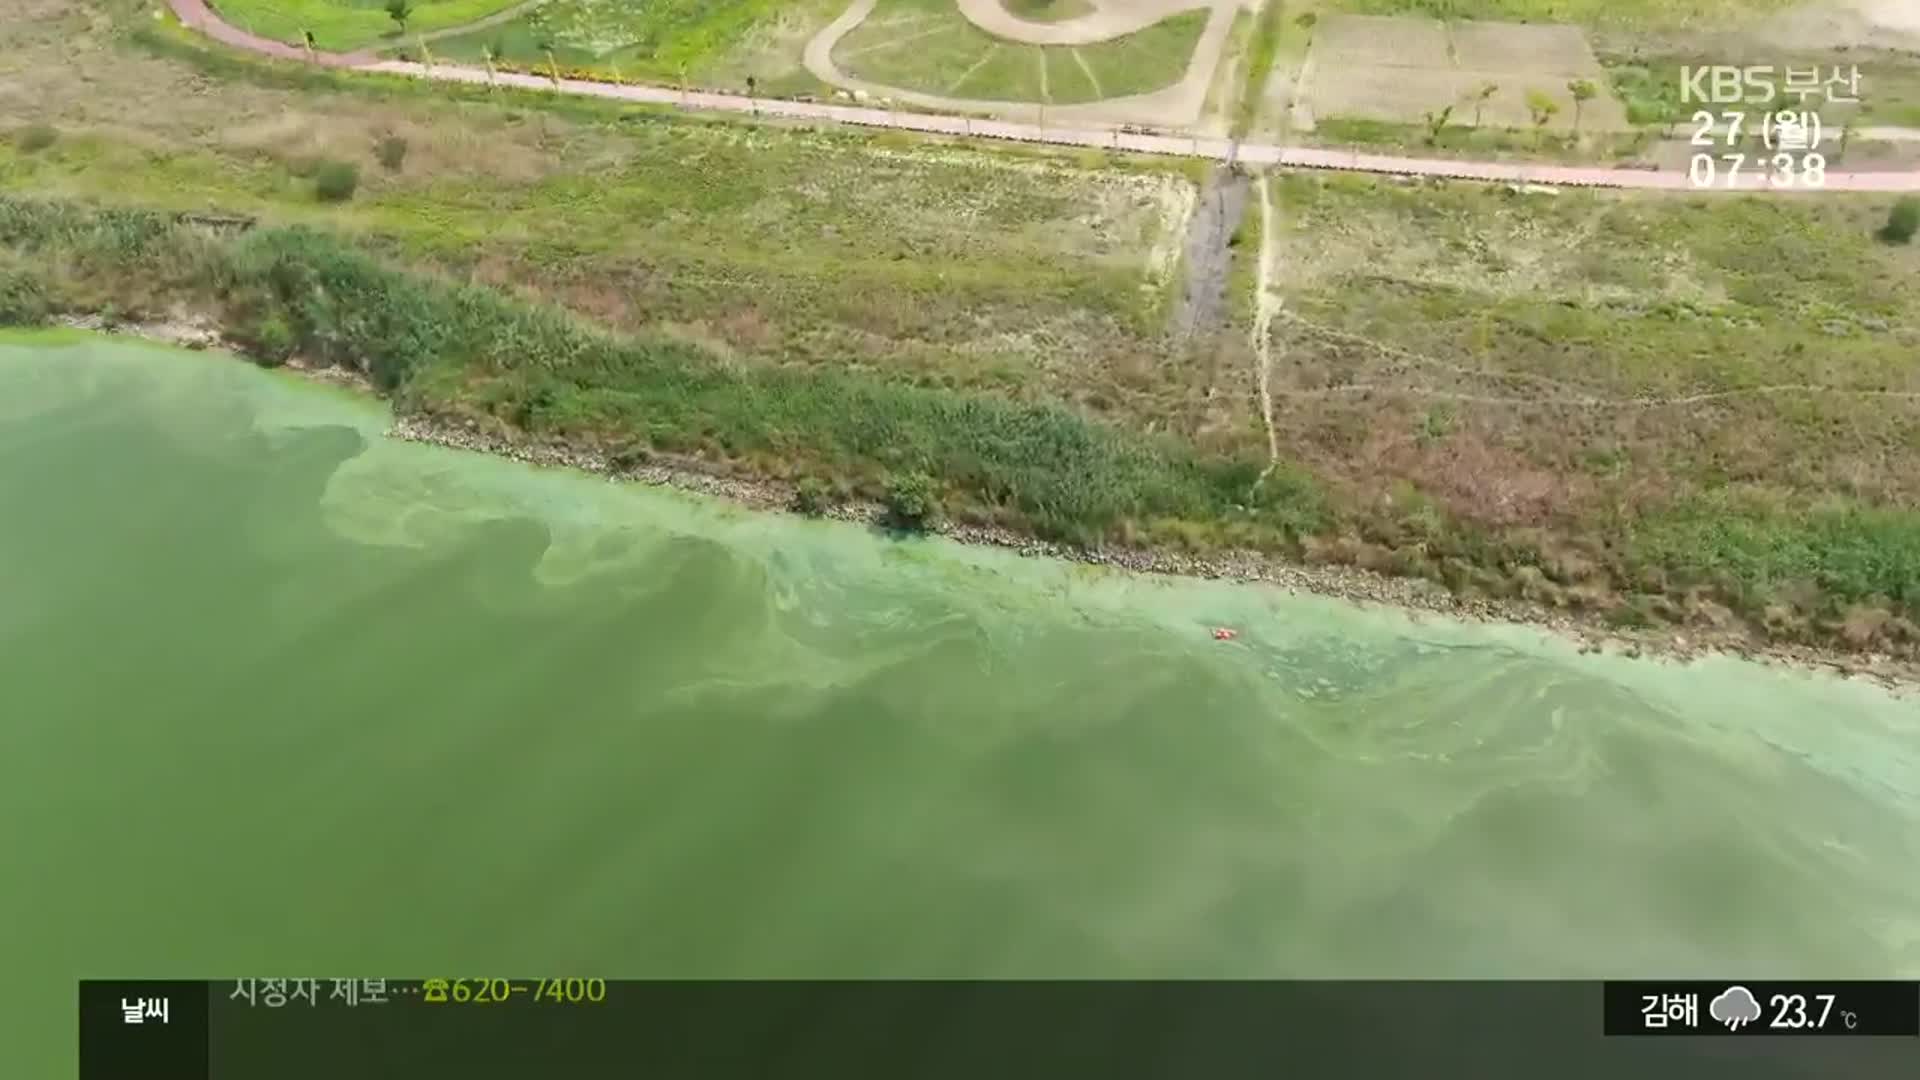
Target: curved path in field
{"points": [[197, 14], [1175, 106], [194, 13], [504, 15], [1110, 19]]}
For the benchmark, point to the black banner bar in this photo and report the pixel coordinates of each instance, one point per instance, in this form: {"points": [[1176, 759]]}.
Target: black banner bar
{"points": [[1762, 1008], [587, 1029], [143, 1030]]}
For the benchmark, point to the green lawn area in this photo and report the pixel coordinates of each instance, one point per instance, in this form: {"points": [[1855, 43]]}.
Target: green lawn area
{"points": [[1048, 10], [1610, 14], [343, 25], [928, 46], [710, 42]]}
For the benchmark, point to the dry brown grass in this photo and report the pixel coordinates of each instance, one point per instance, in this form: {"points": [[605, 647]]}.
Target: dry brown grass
{"points": [[1530, 361], [1397, 69]]}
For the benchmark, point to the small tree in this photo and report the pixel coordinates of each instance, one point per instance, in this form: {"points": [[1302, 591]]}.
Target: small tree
{"points": [[1543, 108], [1481, 95], [811, 497], [490, 52], [1583, 91], [1437, 123], [400, 11], [1902, 221]]}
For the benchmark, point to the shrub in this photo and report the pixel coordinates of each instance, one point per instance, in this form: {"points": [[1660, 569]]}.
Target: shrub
{"points": [[912, 502], [811, 497], [36, 137], [272, 340], [392, 152], [22, 301], [1902, 221], [335, 181]]}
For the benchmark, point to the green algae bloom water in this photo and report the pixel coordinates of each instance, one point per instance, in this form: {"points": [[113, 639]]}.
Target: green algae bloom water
{"points": [[280, 696]]}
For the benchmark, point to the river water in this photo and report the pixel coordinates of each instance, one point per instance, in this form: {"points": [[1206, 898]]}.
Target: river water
{"points": [[282, 696]]}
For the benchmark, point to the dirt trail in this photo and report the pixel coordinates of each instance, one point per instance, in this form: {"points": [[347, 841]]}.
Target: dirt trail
{"points": [[1266, 304], [505, 15], [1070, 129]]}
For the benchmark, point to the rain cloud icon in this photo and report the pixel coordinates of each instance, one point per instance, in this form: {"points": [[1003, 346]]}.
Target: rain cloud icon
{"points": [[1735, 1006]]}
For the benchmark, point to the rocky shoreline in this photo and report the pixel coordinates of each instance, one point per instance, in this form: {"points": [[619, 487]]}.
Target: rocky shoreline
{"points": [[1349, 583], [1339, 581]]}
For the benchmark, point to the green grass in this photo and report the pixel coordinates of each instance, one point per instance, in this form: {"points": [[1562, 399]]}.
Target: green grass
{"points": [[342, 25], [465, 351], [936, 269], [1462, 140], [1762, 553], [928, 46], [1261, 52], [658, 40], [1610, 14], [1048, 10]]}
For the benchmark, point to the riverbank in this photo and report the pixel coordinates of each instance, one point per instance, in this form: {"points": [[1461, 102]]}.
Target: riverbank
{"points": [[769, 495], [1821, 584]]}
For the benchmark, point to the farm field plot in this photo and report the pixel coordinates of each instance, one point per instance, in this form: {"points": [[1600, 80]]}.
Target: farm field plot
{"points": [[928, 46], [1630, 15], [709, 42], [1398, 70], [344, 25]]}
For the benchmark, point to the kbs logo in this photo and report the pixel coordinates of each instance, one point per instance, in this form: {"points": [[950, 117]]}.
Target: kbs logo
{"points": [[1759, 84], [1724, 84]]}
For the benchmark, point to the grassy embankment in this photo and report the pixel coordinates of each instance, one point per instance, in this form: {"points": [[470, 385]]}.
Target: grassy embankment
{"points": [[928, 46], [1687, 403], [470, 353]]}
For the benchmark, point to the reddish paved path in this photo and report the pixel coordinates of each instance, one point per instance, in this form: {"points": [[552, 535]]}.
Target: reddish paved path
{"points": [[196, 14]]}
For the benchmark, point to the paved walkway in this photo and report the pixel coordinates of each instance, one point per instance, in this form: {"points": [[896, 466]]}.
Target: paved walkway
{"points": [[195, 13]]}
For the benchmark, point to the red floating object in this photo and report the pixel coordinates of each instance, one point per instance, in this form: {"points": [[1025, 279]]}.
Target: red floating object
{"points": [[1221, 633]]}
